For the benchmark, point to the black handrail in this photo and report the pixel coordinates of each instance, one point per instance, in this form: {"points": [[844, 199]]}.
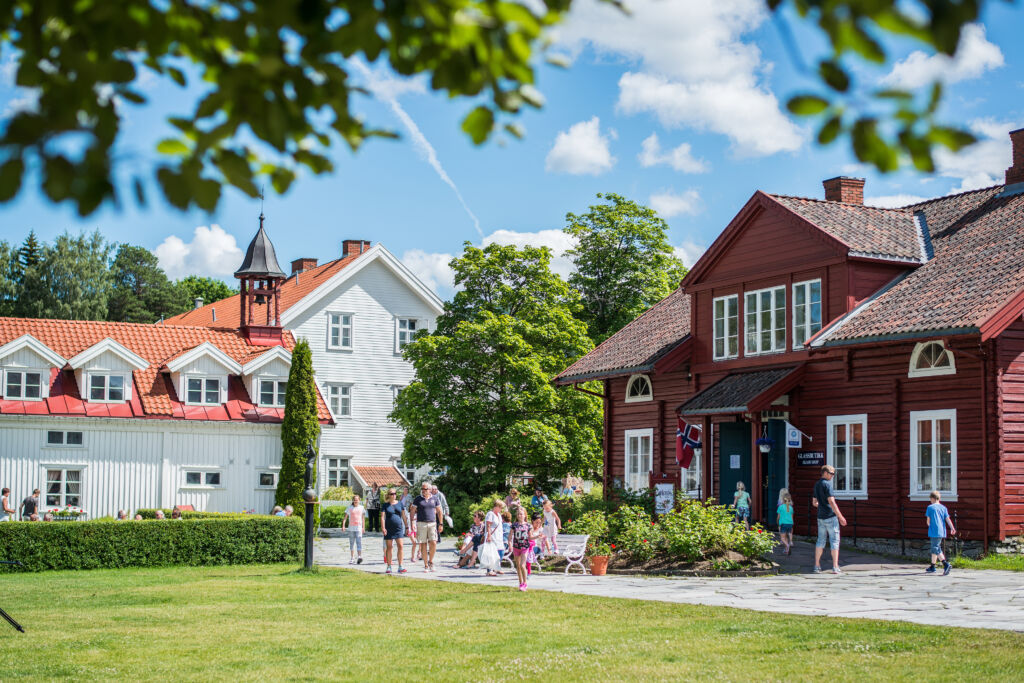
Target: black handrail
{"points": [[899, 530]]}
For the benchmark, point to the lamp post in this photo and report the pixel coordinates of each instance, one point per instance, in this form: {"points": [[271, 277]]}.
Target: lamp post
{"points": [[309, 496]]}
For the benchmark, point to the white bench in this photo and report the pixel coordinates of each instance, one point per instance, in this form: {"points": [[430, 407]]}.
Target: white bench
{"points": [[573, 549]]}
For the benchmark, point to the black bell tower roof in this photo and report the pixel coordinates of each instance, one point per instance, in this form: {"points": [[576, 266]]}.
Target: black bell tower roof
{"points": [[260, 259]]}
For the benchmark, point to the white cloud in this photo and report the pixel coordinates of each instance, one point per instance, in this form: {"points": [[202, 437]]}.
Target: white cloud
{"points": [[693, 67], [983, 163], [974, 56], [581, 150], [432, 269], [556, 240], [212, 253], [669, 204], [893, 201], [681, 158], [689, 252]]}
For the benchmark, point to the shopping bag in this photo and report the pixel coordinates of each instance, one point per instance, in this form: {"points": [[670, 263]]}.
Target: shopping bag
{"points": [[489, 558]]}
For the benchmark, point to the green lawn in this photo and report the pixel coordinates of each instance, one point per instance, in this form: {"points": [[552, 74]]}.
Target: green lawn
{"points": [[1013, 563], [271, 623]]}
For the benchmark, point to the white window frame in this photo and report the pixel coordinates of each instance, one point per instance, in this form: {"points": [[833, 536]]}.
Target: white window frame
{"points": [[63, 438], [917, 416], [341, 326], [274, 471], [408, 334], [914, 371], [344, 465], [64, 469], [204, 472], [44, 383], [331, 388], [808, 328], [222, 388], [278, 393], [640, 480], [106, 387], [832, 421], [639, 399], [724, 318], [775, 315], [406, 470]]}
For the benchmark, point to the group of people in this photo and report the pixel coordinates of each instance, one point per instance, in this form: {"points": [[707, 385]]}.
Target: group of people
{"points": [[830, 519], [28, 510]]}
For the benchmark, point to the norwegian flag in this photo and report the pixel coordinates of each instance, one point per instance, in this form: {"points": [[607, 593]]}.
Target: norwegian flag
{"points": [[687, 438]]}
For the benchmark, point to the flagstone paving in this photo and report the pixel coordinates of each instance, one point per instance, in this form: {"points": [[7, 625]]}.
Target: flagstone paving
{"points": [[869, 587]]}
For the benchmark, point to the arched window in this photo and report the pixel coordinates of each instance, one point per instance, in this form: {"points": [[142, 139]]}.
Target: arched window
{"points": [[638, 389], [930, 359]]}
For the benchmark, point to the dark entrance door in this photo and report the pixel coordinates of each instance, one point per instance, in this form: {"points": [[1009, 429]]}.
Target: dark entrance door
{"points": [[733, 459], [773, 467]]}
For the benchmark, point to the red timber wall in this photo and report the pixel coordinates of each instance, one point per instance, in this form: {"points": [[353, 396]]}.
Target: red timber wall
{"points": [[669, 390], [1009, 370], [874, 381]]}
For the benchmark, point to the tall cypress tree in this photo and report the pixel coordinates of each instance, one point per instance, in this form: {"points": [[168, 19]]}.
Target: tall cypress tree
{"points": [[300, 426]]}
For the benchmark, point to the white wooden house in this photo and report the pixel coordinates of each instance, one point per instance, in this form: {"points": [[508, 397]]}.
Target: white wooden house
{"points": [[356, 312]]}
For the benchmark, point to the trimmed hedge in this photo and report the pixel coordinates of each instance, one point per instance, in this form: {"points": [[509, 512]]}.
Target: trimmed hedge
{"points": [[157, 543], [150, 513], [332, 517]]}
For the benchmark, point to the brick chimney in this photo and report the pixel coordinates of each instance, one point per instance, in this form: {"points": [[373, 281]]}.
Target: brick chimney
{"points": [[1015, 174], [301, 265], [844, 189], [354, 247]]}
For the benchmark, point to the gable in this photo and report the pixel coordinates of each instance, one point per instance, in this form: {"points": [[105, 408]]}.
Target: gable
{"points": [[28, 352]]}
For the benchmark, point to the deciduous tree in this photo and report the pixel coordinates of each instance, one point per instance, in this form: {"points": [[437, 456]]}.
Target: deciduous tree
{"points": [[301, 426], [206, 288], [71, 281]]}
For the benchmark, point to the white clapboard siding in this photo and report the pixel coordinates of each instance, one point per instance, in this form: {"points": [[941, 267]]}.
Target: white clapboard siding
{"points": [[24, 358], [376, 298], [130, 464]]}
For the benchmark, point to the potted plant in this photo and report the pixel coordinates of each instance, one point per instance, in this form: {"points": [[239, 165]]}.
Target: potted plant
{"points": [[600, 553], [69, 513]]}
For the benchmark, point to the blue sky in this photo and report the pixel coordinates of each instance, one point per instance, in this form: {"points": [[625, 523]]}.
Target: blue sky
{"points": [[679, 106]]}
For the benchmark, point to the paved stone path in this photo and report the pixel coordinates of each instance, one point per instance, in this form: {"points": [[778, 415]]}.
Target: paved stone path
{"points": [[869, 587]]}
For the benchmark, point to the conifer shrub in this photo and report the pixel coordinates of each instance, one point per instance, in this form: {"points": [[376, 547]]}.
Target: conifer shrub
{"points": [[300, 427]]}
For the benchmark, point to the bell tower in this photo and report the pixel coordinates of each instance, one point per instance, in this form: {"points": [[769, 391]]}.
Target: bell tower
{"points": [[259, 279]]}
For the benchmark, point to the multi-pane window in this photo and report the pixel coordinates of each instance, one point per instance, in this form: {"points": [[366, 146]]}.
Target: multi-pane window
{"points": [[54, 438], [638, 458], [203, 391], [272, 392], [691, 478], [765, 317], [106, 387], [267, 480], [23, 385], [639, 389], [63, 487], [406, 331], [408, 471], [847, 445], [339, 399], [202, 478], [806, 311], [726, 327], [932, 452], [337, 472], [339, 331], [930, 359]]}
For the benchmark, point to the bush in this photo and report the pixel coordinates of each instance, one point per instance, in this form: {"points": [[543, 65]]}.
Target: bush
{"points": [[694, 530], [594, 524], [332, 517], [337, 493], [634, 534], [234, 539], [150, 513], [754, 543]]}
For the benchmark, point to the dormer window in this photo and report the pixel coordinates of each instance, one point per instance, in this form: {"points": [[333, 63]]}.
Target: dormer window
{"points": [[930, 359], [23, 385], [272, 393], [203, 391], [639, 389], [106, 388]]}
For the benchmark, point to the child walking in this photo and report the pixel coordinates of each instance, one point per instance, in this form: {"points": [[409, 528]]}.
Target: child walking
{"points": [[938, 519], [520, 543], [741, 501], [536, 542], [552, 525], [785, 522], [354, 520]]}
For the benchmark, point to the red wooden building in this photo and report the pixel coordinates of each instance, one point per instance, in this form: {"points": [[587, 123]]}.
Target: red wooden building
{"points": [[891, 337]]}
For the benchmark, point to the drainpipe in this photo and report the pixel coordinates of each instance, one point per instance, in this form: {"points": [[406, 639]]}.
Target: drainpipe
{"points": [[984, 440]]}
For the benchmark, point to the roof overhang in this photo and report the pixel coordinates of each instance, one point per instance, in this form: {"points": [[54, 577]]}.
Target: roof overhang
{"points": [[127, 355], [276, 353], [205, 349], [744, 392], [1005, 316], [367, 477], [27, 341], [665, 362]]}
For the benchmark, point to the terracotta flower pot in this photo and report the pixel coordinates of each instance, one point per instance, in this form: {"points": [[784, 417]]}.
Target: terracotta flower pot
{"points": [[599, 565]]}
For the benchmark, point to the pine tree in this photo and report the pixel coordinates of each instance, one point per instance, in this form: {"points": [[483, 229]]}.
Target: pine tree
{"points": [[300, 427], [31, 252]]}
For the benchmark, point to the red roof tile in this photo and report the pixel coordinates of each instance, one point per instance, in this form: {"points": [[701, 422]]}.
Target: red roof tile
{"points": [[154, 396], [381, 475], [637, 345]]}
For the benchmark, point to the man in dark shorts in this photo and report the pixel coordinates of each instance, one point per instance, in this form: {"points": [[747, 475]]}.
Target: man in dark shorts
{"points": [[393, 520], [829, 519], [429, 523], [30, 505]]}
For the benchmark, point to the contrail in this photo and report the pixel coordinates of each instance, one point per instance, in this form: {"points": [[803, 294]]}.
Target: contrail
{"points": [[418, 138]]}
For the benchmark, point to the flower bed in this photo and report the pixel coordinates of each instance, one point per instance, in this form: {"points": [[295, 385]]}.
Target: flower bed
{"points": [[693, 537]]}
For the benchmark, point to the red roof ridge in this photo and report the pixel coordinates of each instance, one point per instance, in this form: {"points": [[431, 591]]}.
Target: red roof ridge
{"points": [[854, 205], [955, 194]]}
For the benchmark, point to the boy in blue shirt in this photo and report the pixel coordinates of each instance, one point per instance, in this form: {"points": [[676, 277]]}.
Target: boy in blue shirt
{"points": [[938, 519]]}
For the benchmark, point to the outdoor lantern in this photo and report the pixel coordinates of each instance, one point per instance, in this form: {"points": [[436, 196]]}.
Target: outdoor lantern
{"points": [[698, 451]]}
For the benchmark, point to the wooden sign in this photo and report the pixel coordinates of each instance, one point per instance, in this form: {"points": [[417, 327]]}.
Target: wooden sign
{"points": [[810, 458], [664, 497]]}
